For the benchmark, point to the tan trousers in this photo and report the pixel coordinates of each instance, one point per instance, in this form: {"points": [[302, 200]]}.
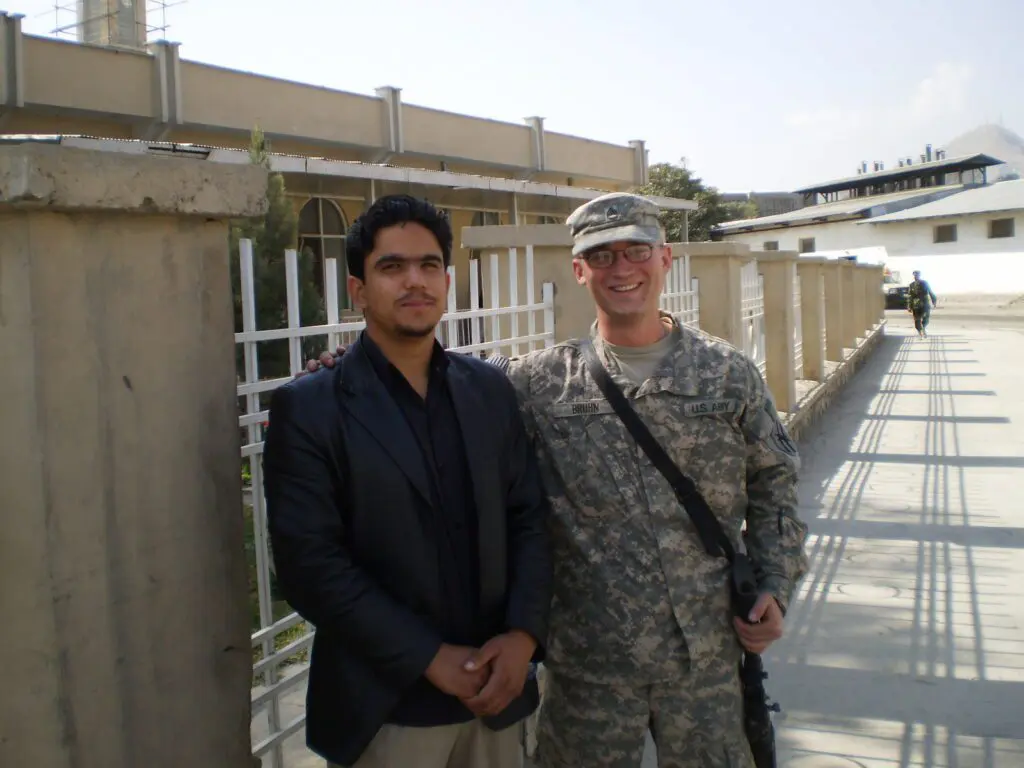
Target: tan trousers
{"points": [[466, 745]]}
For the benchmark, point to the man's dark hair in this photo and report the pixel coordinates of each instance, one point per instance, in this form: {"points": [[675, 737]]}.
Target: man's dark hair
{"points": [[386, 212]]}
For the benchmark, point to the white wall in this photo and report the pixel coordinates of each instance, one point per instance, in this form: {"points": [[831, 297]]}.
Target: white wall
{"points": [[910, 238], [834, 236], [960, 273], [973, 264]]}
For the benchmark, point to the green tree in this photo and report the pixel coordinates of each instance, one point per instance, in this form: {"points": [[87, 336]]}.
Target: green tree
{"points": [[272, 234], [676, 180]]}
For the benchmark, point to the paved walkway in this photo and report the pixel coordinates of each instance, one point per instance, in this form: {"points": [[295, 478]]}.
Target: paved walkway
{"points": [[906, 645]]}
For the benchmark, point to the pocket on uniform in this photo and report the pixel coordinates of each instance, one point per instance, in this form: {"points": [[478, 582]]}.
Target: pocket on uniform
{"points": [[595, 472]]}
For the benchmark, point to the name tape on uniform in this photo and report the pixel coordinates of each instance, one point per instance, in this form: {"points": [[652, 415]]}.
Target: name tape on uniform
{"points": [[581, 408], [597, 407]]}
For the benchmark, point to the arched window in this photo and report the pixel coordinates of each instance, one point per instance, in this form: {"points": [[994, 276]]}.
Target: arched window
{"points": [[322, 233]]}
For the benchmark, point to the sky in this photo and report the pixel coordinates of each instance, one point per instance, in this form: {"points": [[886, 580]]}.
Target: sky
{"points": [[753, 94]]}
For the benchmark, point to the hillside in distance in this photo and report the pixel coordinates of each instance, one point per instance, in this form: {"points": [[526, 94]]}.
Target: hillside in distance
{"points": [[997, 141]]}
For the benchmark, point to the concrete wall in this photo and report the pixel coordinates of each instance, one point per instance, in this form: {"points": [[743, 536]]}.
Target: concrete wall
{"points": [[229, 99], [578, 157], [68, 88], [446, 134], [122, 572], [47, 75]]}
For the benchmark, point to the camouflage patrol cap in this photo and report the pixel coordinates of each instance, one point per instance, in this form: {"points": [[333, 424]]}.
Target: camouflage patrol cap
{"points": [[614, 217]]}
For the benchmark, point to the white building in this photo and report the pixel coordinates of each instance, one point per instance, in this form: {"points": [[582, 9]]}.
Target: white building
{"points": [[971, 242], [940, 217]]}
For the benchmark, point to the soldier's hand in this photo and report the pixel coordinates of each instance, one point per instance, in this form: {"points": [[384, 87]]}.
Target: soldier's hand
{"points": [[326, 360], [763, 627]]}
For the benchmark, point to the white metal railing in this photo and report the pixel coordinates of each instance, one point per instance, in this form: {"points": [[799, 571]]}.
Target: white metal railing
{"points": [[282, 640], [798, 329], [752, 292], [680, 295]]}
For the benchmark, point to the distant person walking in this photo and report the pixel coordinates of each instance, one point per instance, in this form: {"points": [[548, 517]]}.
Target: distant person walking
{"points": [[920, 300]]}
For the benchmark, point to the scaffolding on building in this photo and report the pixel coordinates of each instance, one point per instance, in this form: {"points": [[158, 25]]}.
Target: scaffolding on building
{"points": [[87, 16]]}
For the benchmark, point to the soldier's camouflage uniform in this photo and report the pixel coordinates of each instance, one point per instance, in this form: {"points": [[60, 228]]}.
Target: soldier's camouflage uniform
{"points": [[641, 629]]}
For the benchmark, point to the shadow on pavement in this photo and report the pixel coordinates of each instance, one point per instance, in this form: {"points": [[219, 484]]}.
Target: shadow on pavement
{"points": [[902, 648]]}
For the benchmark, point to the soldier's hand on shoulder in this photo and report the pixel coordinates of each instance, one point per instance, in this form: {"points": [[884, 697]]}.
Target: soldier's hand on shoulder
{"points": [[326, 360]]}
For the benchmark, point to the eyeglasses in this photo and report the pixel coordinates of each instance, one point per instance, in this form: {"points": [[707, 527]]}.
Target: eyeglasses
{"points": [[605, 257]]}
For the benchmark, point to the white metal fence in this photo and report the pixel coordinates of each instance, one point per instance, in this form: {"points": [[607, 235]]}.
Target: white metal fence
{"points": [[282, 640], [752, 291], [680, 295], [798, 328]]}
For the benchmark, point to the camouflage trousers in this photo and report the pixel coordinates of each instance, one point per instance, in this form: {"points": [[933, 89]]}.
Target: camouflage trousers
{"points": [[696, 722]]}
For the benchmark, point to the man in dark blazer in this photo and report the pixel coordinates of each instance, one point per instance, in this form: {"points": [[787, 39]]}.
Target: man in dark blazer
{"points": [[408, 523]]}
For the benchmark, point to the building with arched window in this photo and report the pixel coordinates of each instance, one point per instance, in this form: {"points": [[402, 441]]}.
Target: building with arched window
{"points": [[322, 231], [338, 151]]}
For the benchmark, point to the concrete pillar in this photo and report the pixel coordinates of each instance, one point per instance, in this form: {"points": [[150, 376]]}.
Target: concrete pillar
{"points": [[779, 271], [537, 152], [870, 296], [832, 272], [851, 304], [812, 315], [879, 278], [392, 141], [639, 161], [717, 268], [513, 209], [122, 571], [12, 64], [552, 263], [860, 283]]}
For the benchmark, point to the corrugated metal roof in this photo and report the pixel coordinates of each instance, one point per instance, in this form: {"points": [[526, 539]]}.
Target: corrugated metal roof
{"points": [[963, 162], [843, 209], [1002, 196]]}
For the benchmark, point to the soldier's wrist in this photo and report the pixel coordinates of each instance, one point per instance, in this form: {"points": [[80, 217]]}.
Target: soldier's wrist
{"points": [[779, 588]]}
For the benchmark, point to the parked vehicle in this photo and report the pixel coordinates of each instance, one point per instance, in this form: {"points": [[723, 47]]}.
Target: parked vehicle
{"points": [[895, 290]]}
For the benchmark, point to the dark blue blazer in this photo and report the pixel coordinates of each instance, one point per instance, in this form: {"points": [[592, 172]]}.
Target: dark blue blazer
{"points": [[354, 555]]}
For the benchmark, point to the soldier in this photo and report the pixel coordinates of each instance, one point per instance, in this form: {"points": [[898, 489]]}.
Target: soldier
{"points": [[918, 294], [641, 632]]}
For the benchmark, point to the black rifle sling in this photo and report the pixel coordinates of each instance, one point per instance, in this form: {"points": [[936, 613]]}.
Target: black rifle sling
{"points": [[708, 528]]}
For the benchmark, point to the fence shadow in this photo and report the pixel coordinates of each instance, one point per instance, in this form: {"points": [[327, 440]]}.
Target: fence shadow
{"points": [[901, 646]]}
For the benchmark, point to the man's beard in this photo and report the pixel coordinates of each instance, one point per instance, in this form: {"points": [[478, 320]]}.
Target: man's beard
{"points": [[415, 331]]}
